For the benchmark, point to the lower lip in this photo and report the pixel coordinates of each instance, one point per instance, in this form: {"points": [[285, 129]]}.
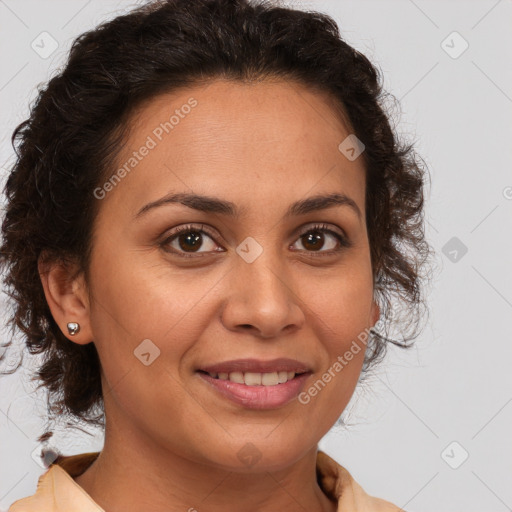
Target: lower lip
{"points": [[258, 397]]}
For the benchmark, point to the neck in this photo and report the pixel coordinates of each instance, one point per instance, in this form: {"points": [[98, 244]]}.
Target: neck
{"points": [[133, 473]]}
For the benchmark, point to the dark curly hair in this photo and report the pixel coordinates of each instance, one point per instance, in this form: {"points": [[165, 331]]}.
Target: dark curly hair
{"points": [[78, 124]]}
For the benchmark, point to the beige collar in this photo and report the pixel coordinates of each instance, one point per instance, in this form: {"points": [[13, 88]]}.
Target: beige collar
{"points": [[58, 492]]}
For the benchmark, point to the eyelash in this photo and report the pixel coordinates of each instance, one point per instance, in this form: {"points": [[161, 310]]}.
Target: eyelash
{"points": [[323, 228]]}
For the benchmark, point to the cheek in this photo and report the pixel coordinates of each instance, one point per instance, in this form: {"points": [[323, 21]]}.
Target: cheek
{"points": [[138, 303], [153, 398], [343, 330], [134, 301], [341, 301], [339, 313]]}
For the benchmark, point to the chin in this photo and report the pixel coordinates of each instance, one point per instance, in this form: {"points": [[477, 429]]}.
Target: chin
{"points": [[259, 455]]}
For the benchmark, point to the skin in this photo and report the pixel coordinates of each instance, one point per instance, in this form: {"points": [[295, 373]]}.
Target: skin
{"points": [[171, 442]]}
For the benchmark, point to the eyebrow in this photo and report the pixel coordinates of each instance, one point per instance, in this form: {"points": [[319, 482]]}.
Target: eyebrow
{"points": [[208, 204]]}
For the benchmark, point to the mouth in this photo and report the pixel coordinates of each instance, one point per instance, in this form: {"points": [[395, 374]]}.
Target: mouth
{"points": [[256, 367], [256, 383], [255, 378]]}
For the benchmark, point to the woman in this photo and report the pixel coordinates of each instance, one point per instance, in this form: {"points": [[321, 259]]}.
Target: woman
{"points": [[206, 223]]}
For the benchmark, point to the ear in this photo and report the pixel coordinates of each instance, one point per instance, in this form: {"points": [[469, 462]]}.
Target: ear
{"points": [[67, 297]]}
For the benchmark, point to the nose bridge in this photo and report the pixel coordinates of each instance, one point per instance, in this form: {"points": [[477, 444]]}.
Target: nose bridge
{"points": [[263, 278], [261, 293]]}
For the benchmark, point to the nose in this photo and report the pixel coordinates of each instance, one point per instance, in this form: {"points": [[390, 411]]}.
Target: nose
{"points": [[261, 298]]}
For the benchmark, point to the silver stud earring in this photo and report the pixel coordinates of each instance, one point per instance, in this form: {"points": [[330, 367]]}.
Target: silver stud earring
{"points": [[73, 328]]}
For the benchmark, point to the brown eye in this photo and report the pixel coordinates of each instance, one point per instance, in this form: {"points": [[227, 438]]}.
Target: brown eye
{"points": [[313, 241], [317, 238], [189, 239]]}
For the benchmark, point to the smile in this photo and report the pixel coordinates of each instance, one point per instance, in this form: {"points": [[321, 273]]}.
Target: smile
{"points": [[255, 379], [256, 390]]}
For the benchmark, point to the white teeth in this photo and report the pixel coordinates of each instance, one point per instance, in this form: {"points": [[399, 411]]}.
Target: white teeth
{"points": [[254, 378], [270, 379], [282, 377], [237, 377]]}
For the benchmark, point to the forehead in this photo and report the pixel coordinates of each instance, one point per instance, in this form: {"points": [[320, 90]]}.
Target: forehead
{"points": [[240, 112], [242, 139]]}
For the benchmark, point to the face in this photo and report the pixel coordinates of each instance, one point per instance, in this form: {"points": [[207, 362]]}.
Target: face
{"points": [[175, 288]]}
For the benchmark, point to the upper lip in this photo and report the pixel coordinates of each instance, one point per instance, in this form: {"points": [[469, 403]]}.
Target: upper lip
{"points": [[282, 364]]}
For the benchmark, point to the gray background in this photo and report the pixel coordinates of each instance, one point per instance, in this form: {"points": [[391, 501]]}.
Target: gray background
{"points": [[450, 397]]}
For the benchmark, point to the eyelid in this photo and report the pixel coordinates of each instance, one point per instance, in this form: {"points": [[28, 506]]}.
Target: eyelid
{"points": [[321, 226], [192, 227]]}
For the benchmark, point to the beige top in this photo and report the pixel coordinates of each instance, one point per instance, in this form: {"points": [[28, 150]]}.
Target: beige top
{"points": [[58, 492]]}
